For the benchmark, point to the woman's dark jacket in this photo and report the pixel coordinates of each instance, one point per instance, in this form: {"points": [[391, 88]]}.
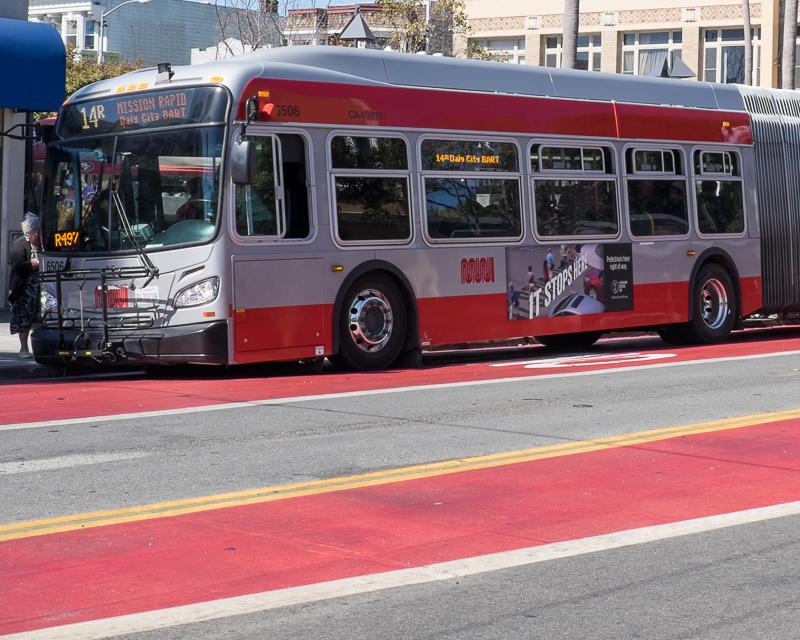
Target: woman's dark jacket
{"points": [[21, 268]]}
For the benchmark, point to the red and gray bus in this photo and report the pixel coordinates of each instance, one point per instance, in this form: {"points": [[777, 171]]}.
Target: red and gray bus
{"points": [[311, 202]]}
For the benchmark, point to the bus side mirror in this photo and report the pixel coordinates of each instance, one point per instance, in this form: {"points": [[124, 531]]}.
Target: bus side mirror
{"points": [[243, 162]]}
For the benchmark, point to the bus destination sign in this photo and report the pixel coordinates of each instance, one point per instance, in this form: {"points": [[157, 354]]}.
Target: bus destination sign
{"points": [[143, 111]]}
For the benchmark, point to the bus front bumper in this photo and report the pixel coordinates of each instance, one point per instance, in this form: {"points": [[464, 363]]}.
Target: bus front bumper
{"points": [[202, 343]]}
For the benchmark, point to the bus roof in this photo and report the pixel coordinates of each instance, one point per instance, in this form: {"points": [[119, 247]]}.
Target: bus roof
{"points": [[366, 66]]}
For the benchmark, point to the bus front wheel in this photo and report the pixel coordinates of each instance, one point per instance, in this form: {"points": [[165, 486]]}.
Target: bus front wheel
{"points": [[373, 322]]}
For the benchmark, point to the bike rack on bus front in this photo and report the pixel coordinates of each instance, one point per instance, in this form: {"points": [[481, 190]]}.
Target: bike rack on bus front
{"points": [[103, 276]]}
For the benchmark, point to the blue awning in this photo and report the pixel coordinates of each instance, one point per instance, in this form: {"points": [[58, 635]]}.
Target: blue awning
{"points": [[32, 66]]}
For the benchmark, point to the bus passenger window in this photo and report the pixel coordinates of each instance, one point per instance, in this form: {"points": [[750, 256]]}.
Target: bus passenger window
{"points": [[576, 207], [657, 204], [371, 186], [658, 208], [472, 190], [718, 187], [465, 208], [575, 191], [369, 209]]}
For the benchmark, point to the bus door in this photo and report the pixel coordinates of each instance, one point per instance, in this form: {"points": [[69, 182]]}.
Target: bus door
{"points": [[278, 291]]}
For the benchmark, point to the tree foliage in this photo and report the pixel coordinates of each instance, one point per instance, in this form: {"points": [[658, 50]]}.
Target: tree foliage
{"points": [[477, 52], [82, 70], [412, 33]]}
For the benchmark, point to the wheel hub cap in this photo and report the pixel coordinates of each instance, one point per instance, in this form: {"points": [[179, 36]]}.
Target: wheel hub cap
{"points": [[714, 303], [370, 320]]}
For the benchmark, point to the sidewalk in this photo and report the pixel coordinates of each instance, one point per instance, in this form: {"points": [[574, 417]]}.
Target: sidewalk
{"points": [[12, 367]]}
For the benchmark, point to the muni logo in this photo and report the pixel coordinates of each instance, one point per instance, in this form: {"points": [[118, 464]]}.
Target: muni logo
{"points": [[477, 270]]}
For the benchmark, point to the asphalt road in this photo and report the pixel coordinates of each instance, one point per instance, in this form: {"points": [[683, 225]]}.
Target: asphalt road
{"points": [[180, 456], [739, 582]]}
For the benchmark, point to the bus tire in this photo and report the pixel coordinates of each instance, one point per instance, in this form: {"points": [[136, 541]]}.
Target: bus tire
{"points": [[570, 341], [673, 334], [713, 306], [373, 323]]}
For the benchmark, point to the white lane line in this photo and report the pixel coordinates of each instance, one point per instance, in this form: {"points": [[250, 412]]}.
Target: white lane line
{"points": [[66, 462], [440, 572], [376, 392]]}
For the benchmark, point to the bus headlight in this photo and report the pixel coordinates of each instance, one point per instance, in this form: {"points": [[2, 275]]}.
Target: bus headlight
{"points": [[202, 292]]}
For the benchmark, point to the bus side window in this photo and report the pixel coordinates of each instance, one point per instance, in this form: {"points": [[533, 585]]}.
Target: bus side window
{"points": [[371, 186], [718, 189], [657, 198]]}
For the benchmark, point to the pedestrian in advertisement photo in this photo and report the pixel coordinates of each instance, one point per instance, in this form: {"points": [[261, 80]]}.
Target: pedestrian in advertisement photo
{"points": [[24, 288], [530, 279], [512, 299]]}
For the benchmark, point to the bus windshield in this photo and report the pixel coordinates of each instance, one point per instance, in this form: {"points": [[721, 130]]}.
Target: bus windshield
{"points": [[120, 193]]}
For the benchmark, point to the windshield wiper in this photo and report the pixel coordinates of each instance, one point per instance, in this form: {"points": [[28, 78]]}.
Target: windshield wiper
{"points": [[152, 270]]}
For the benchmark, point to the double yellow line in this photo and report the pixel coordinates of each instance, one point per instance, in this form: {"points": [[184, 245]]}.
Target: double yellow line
{"points": [[80, 521]]}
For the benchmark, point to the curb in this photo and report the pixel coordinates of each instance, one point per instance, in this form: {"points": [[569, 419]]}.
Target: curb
{"points": [[12, 370]]}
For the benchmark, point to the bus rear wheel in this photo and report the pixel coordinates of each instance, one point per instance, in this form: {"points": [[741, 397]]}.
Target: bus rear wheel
{"points": [[713, 310], [570, 341], [714, 306], [373, 323]]}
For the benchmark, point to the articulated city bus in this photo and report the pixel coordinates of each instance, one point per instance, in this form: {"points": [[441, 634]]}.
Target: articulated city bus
{"points": [[306, 202]]}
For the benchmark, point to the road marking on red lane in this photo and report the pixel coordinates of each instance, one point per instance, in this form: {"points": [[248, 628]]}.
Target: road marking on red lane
{"points": [[213, 555], [211, 394], [589, 360], [427, 574], [83, 521]]}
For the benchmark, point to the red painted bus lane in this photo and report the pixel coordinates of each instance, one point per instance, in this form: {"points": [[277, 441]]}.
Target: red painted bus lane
{"points": [[35, 402], [61, 578]]}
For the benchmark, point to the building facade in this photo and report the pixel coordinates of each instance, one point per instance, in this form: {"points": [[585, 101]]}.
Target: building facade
{"points": [[317, 26], [159, 31], [636, 36]]}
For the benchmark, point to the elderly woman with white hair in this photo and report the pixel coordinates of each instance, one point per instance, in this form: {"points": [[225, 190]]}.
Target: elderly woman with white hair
{"points": [[25, 290]]}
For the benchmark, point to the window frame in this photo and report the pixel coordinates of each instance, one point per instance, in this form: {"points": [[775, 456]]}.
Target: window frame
{"points": [[718, 177], [558, 51], [583, 171], [663, 173], [718, 44], [332, 173], [566, 174], [519, 176], [515, 55], [255, 130], [644, 175], [671, 46]]}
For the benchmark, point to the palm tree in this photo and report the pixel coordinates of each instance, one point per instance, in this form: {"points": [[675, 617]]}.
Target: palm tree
{"points": [[748, 43], [789, 39], [569, 40]]}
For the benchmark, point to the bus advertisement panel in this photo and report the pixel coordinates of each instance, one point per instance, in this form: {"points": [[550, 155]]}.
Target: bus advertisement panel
{"points": [[568, 279]]}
